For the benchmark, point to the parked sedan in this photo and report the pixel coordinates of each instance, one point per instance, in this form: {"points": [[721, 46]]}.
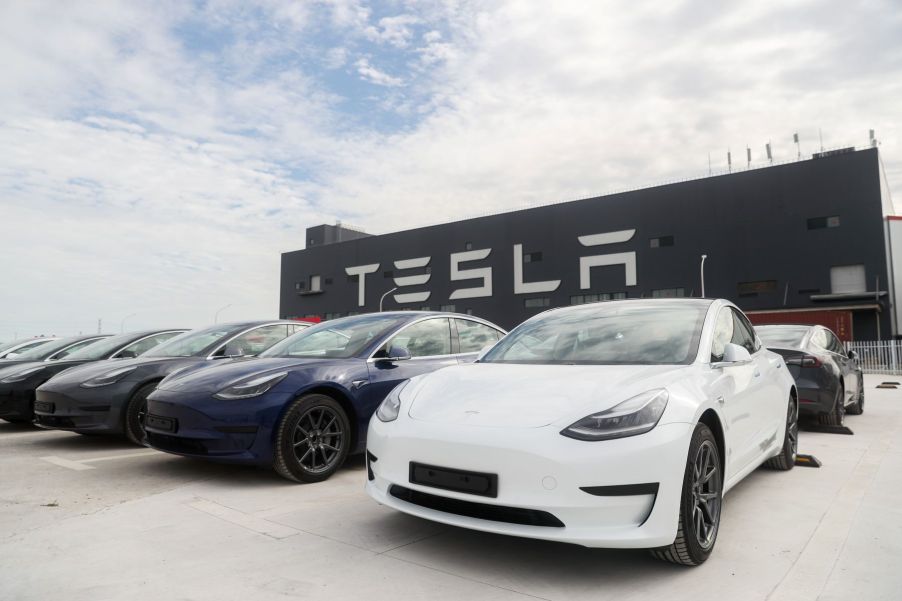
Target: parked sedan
{"points": [[616, 424], [11, 408], [829, 379], [18, 382], [304, 405], [111, 398], [9, 350]]}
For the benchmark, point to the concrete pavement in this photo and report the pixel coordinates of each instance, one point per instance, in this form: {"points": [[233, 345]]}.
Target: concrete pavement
{"points": [[95, 518]]}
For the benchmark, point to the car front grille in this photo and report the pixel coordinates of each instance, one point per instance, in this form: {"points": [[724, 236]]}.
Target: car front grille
{"points": [[482, 511]]}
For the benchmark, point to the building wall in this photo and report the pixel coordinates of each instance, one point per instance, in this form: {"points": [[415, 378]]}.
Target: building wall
{"points": [[753, 225]]}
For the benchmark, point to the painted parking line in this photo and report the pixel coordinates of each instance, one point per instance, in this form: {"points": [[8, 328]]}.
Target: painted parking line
{"points": [[82, 464], [239, 518]]}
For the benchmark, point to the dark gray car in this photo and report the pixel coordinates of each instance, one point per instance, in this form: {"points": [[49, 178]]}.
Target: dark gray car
{"points": [[105, 398], [829, 379]]}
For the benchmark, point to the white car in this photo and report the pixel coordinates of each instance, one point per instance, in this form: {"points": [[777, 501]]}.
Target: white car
{"points": [[615, 424]]}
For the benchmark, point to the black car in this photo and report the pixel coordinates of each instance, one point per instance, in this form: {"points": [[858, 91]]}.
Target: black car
{"points": [[11, 406], [829, 379], [111, 398], [18, 382]]}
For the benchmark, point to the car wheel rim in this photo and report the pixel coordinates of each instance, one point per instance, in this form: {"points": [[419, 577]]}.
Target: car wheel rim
{"points": [[317, 439], [705, 495], [142, 416], [792, 428]]}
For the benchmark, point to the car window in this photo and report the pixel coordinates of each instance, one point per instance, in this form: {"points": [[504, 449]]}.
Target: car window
{"points": [[834, 344], [338, 338], [425, 339], [743, 333], [819, 339], [475, 336], [142, 346], [255, 341], [723, 334], [68, 351]]}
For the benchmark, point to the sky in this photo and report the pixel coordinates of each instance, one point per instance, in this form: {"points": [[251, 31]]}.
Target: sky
{"points": [[157, 157]]}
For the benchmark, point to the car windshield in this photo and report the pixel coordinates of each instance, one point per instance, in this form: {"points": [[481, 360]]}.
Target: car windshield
{"points": [[101, 349], [45, 350], [782, 336], [15, 343], [611, 333], [191, 343], [340, 338]]}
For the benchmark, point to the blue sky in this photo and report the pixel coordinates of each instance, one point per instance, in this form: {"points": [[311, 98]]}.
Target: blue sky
{"points": [[158, 156]]}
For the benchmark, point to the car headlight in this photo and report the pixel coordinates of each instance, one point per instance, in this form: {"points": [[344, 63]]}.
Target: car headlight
{"points": [[391, 406], [629, 418], [108, 378], [21, 375], [246, 389]]}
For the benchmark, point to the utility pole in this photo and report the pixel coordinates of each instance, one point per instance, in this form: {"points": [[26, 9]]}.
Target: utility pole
{"points": [[702, 269]]}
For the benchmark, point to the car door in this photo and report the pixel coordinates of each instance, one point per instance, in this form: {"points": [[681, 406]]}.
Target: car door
{"points": [[769, 409], [736, 391], [472, 337], [429, 343], [847, 366]]}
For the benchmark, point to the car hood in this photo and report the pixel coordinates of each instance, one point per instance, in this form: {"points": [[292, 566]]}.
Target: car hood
{"points": [[225, 373], [529, 396], [81, 373], [16, 367]]}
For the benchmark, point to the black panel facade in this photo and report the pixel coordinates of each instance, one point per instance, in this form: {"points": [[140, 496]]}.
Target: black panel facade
{"points": [[770, 235]]}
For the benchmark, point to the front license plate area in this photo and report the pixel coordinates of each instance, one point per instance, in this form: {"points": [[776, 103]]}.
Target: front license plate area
{"points": [[166, 424], [473, 483], [44, 407]]}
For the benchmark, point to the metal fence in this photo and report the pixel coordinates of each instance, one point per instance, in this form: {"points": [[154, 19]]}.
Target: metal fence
{"points": [[883, 357]]}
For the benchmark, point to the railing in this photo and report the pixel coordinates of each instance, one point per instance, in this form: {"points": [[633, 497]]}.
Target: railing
{"points": [[883, 357]]}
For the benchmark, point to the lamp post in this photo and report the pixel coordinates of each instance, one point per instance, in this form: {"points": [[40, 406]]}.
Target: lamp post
{"points": [[702, 269], [218, 311], [122, 323], [383, 297]]}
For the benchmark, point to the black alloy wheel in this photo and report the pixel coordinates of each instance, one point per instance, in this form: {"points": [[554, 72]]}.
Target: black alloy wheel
{"points": [[313, 439], [136, 414], [786, 459], [700, 504]]}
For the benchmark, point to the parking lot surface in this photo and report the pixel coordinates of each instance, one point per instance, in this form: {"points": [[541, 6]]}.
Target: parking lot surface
{"points": [[95, 518]]}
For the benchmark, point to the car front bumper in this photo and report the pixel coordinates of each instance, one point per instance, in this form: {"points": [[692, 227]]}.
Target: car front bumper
{"points": [[204, 427], [79, 409], [538, 472], [16, 402]]}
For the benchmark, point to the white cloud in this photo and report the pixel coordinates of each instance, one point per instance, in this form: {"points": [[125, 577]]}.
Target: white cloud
{"points": [[161, 172], [374, 75]]}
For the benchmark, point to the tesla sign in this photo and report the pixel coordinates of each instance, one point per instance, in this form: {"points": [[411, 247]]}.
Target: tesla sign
{"points": [[464, 266]]}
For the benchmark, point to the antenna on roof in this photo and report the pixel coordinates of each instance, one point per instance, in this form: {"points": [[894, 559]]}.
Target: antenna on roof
{"points": [[821, 135], [872, 139], [770, 157], [729, 162], [795, 138], [748, 156]]}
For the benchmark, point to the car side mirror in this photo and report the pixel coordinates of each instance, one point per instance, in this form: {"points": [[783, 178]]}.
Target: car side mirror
{"points": [[853, 355], [733, 354], [484, 351], [234, 350], [127, 355], [397, 353]]}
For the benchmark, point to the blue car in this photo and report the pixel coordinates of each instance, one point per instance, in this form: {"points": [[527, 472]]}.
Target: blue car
{"points": [[304, 405]]}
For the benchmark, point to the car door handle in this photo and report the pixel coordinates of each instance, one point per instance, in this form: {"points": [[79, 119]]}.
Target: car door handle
{"points": [[757, 373], [720, 399]]}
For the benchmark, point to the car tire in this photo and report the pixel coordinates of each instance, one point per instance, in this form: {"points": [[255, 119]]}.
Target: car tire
{"points": [[857, 408], [837, 414], [787, 456], [312, 439], [700, 503], [135, 412]]}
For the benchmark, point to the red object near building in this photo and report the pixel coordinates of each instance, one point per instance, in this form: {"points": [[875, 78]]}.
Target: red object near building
{"points": [[838, 320]]}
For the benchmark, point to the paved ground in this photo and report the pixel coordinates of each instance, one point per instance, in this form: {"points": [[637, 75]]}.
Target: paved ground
{"points": [[90, 518]]}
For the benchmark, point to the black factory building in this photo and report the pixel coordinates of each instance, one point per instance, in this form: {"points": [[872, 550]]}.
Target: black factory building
{"points": [[803, 242]]}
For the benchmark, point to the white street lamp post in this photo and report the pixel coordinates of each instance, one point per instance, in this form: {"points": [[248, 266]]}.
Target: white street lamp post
{"points": [[218, 311], [122, 324], [383, 297], [702, 269]]}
